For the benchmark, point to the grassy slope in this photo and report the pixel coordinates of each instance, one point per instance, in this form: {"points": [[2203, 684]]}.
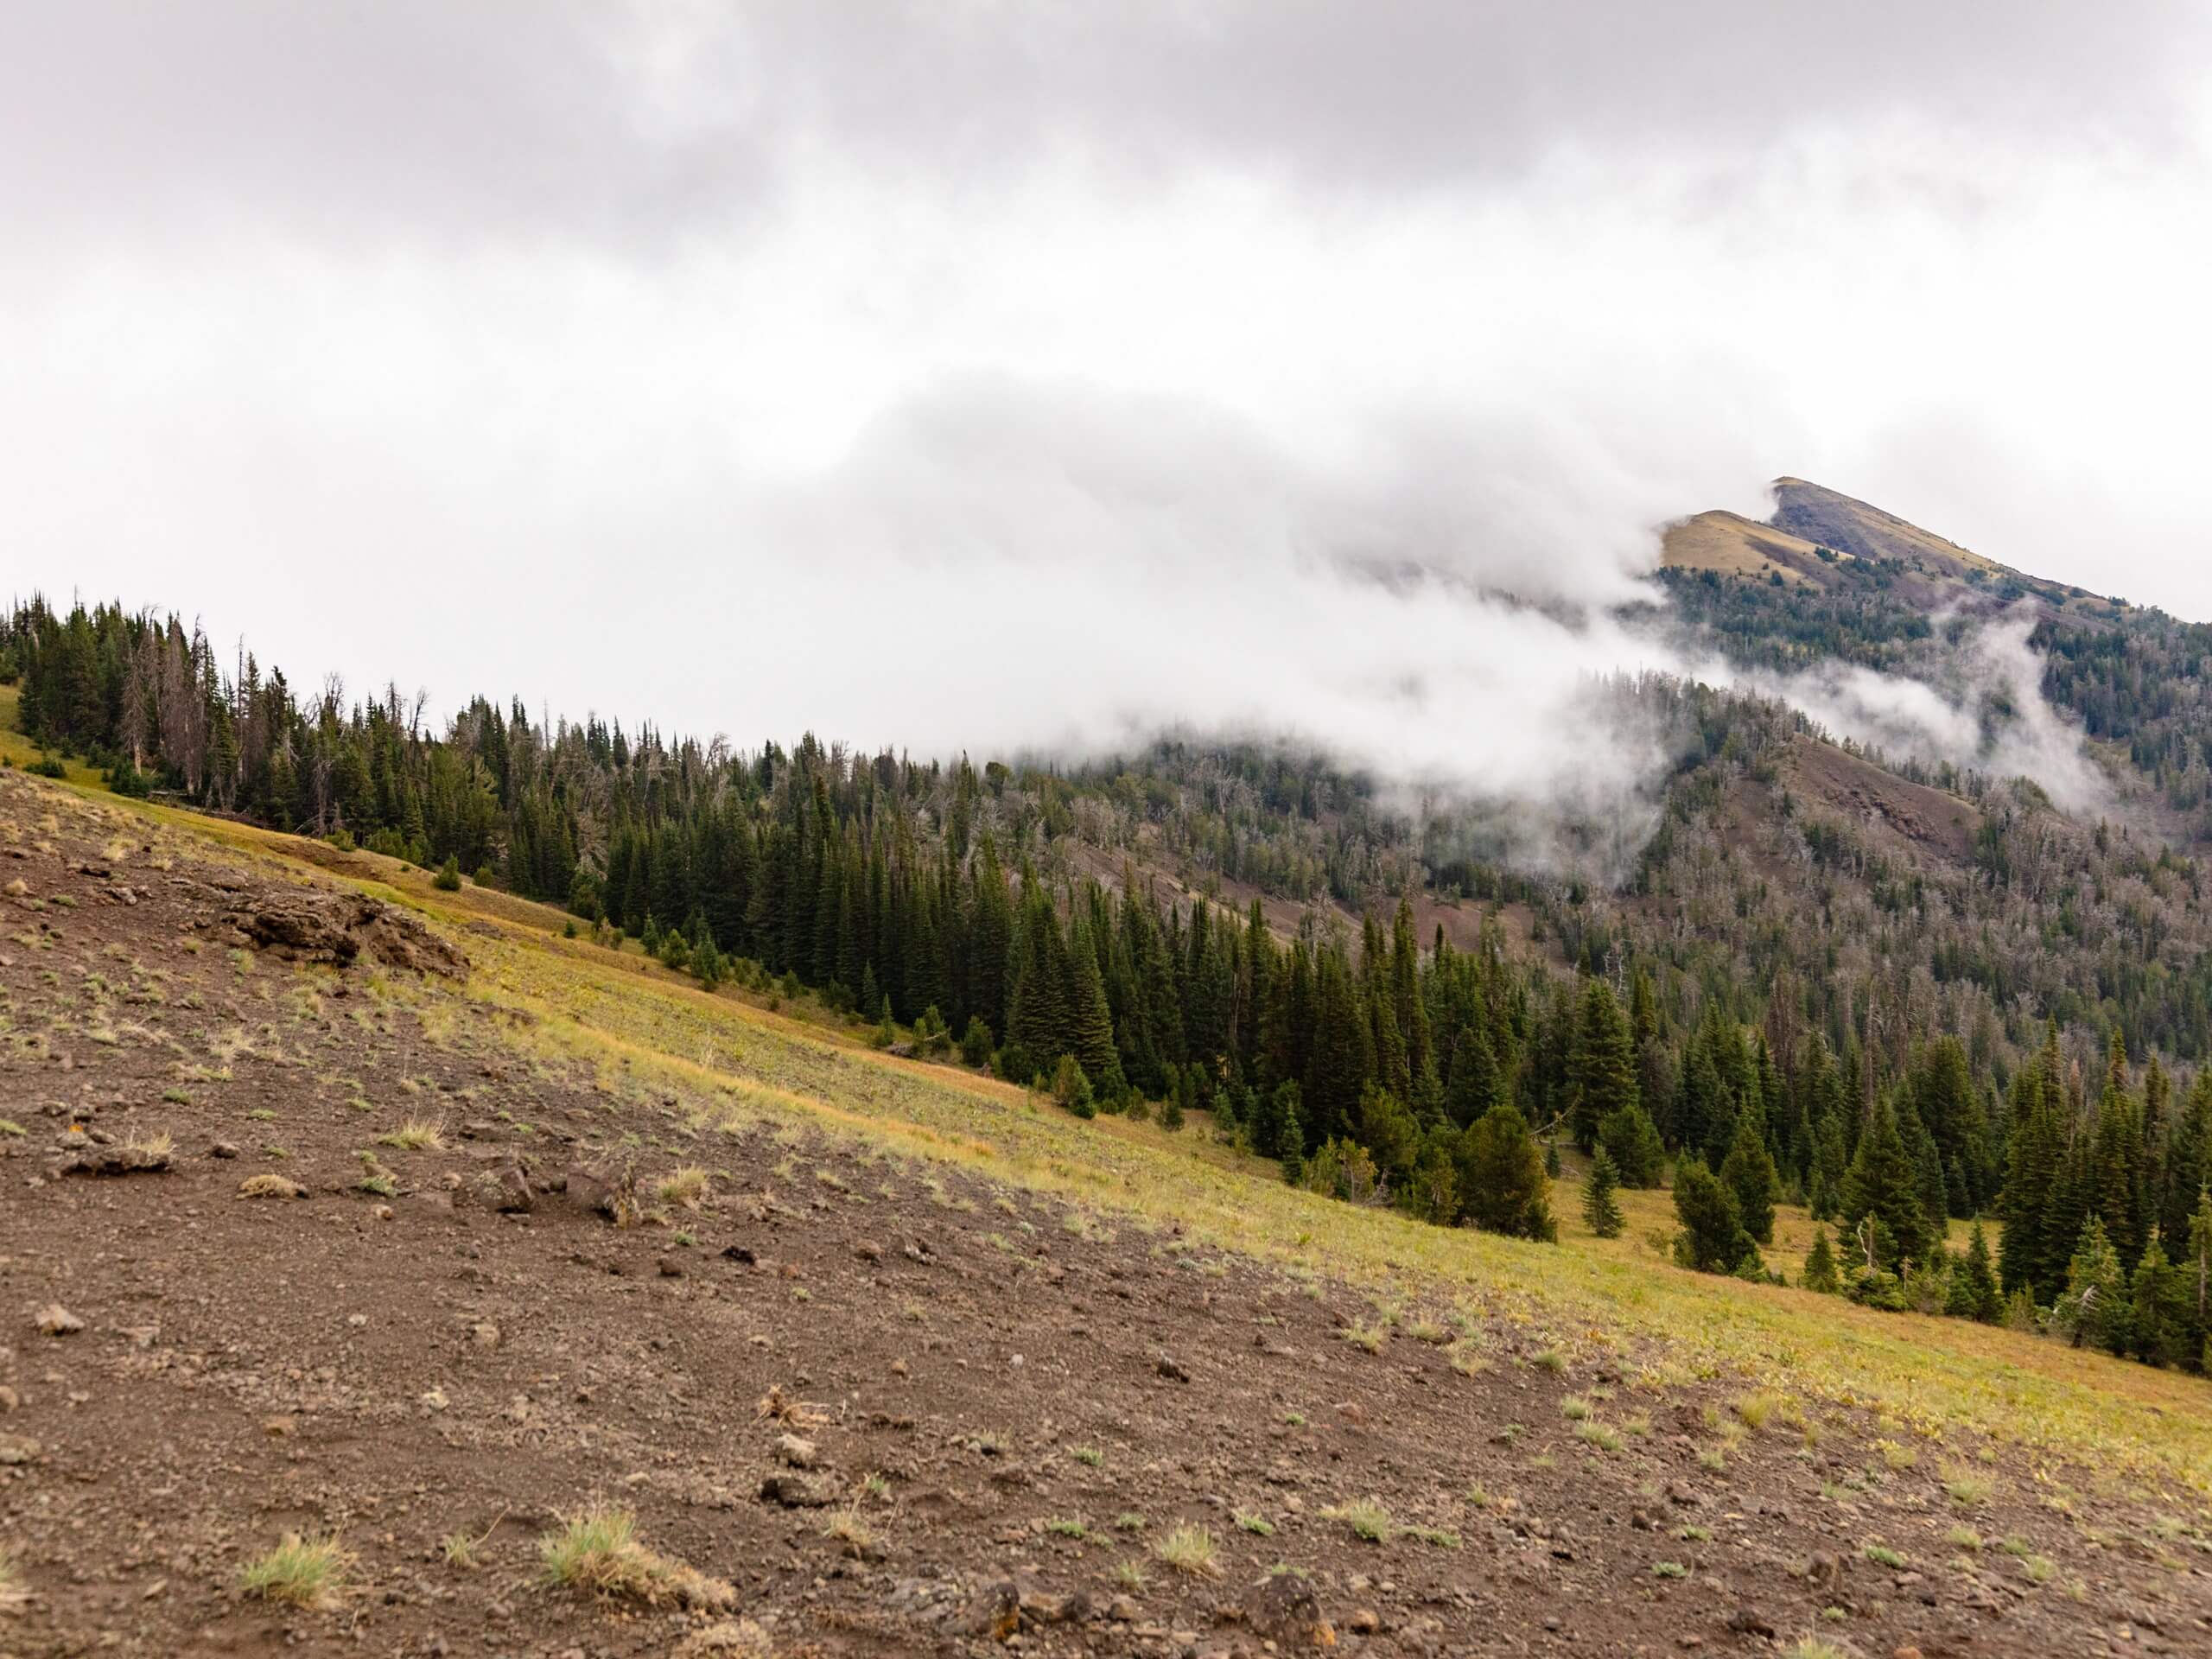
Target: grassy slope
{"points": [[726, 1056]]}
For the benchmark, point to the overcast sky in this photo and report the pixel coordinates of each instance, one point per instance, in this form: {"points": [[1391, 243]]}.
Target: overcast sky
{"points": [[980, 373]]}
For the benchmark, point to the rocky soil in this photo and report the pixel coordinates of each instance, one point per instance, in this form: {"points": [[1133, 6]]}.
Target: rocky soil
{"points": [[875, 1407]]}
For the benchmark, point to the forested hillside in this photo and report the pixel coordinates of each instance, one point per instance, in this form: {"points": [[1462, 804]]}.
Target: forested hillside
{"points": [[1899, 993]]}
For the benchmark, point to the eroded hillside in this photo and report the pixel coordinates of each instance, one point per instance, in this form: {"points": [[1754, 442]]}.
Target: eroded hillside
{"points": [[884, 1358]]}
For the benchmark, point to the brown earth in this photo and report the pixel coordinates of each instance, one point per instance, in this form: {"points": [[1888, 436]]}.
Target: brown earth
{"points": [[1002, 1400]]}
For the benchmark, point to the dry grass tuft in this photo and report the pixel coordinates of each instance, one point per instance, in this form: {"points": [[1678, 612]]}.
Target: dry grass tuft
{"points": [[686, 1189], [597, 1551], [777, 1407], [416, 1134], [300, 1572], [1189, 1549]]}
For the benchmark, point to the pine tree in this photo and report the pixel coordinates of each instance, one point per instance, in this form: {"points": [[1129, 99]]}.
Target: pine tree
{"points": [[1091, 1022], [1712, 1239], [2159, 1321], [1071, 1088], [1881, 1182], [1600, 1209], [2196, 1279], [1981, 1298], [1473, 1087], [1820, 1266], [2096, 1307], [2030, 1165], [1601, 1067], [1632, 1139], [1502, 1187], [1749, 1171]]}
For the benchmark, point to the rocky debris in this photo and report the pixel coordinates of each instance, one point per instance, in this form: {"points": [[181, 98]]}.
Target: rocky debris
{"points": [[307, 924], [105, 1156], [604, 1189], [1746, 1621], [798, 1452], [513, 1193], [270, 1186], [57, 1321], [739, 1638], [1283, 1609], [795, 1491], [1007, 1607]]}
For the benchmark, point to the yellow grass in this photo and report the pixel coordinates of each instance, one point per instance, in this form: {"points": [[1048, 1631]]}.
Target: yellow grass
{"points": [[646, 1033]]}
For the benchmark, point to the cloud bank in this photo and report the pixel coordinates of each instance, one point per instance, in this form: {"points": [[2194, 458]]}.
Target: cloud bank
{"points": [[998, 375]]}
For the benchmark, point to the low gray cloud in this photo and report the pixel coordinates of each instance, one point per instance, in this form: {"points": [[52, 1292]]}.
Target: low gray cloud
{"points": [[999, 376]]}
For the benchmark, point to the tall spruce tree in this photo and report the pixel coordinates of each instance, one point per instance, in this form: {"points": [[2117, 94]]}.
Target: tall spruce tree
{"points": [[1601, 1208], [1601, 1068], [1882, 1183], [1749, 1171]]}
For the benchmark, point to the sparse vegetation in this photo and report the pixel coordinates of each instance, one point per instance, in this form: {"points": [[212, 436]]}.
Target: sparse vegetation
{"points": [[1367, 1520], [300, 1572], [1190, 1550], [596, 1550]]}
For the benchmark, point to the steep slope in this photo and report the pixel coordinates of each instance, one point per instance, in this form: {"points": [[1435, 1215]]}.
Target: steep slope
{"points": [[891, 1360]]}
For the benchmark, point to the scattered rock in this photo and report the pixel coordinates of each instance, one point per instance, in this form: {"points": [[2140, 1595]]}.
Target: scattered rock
{"points": [[270, 1186], [1283, 1609], [508, 1190], [105, 1156], [798, 1451], [794, 1491], [1746, 1621], [609, 1189], [739, 1638], [304, 924]]}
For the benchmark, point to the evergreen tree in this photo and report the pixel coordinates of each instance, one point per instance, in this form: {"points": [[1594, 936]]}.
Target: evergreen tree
{"points": [[2096, 1307], [1881, 1182], [1974, 1281], [1712, 1239], [1473, 1086], [1820, 1266], [1632, 1139], [1071, 1088], [1600, 1209], [2159, 1320], [1091, 1023], [1502, 1187], [1430, 1191], [1749, 1171], [1601, 1068]]}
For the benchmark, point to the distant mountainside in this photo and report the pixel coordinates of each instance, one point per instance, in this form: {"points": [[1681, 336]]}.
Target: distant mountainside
{"points": [[1821, 537], [1786, 940]]}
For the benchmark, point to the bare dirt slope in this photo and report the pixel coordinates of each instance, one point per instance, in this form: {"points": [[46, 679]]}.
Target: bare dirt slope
{"points": [[881, 1406]]}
